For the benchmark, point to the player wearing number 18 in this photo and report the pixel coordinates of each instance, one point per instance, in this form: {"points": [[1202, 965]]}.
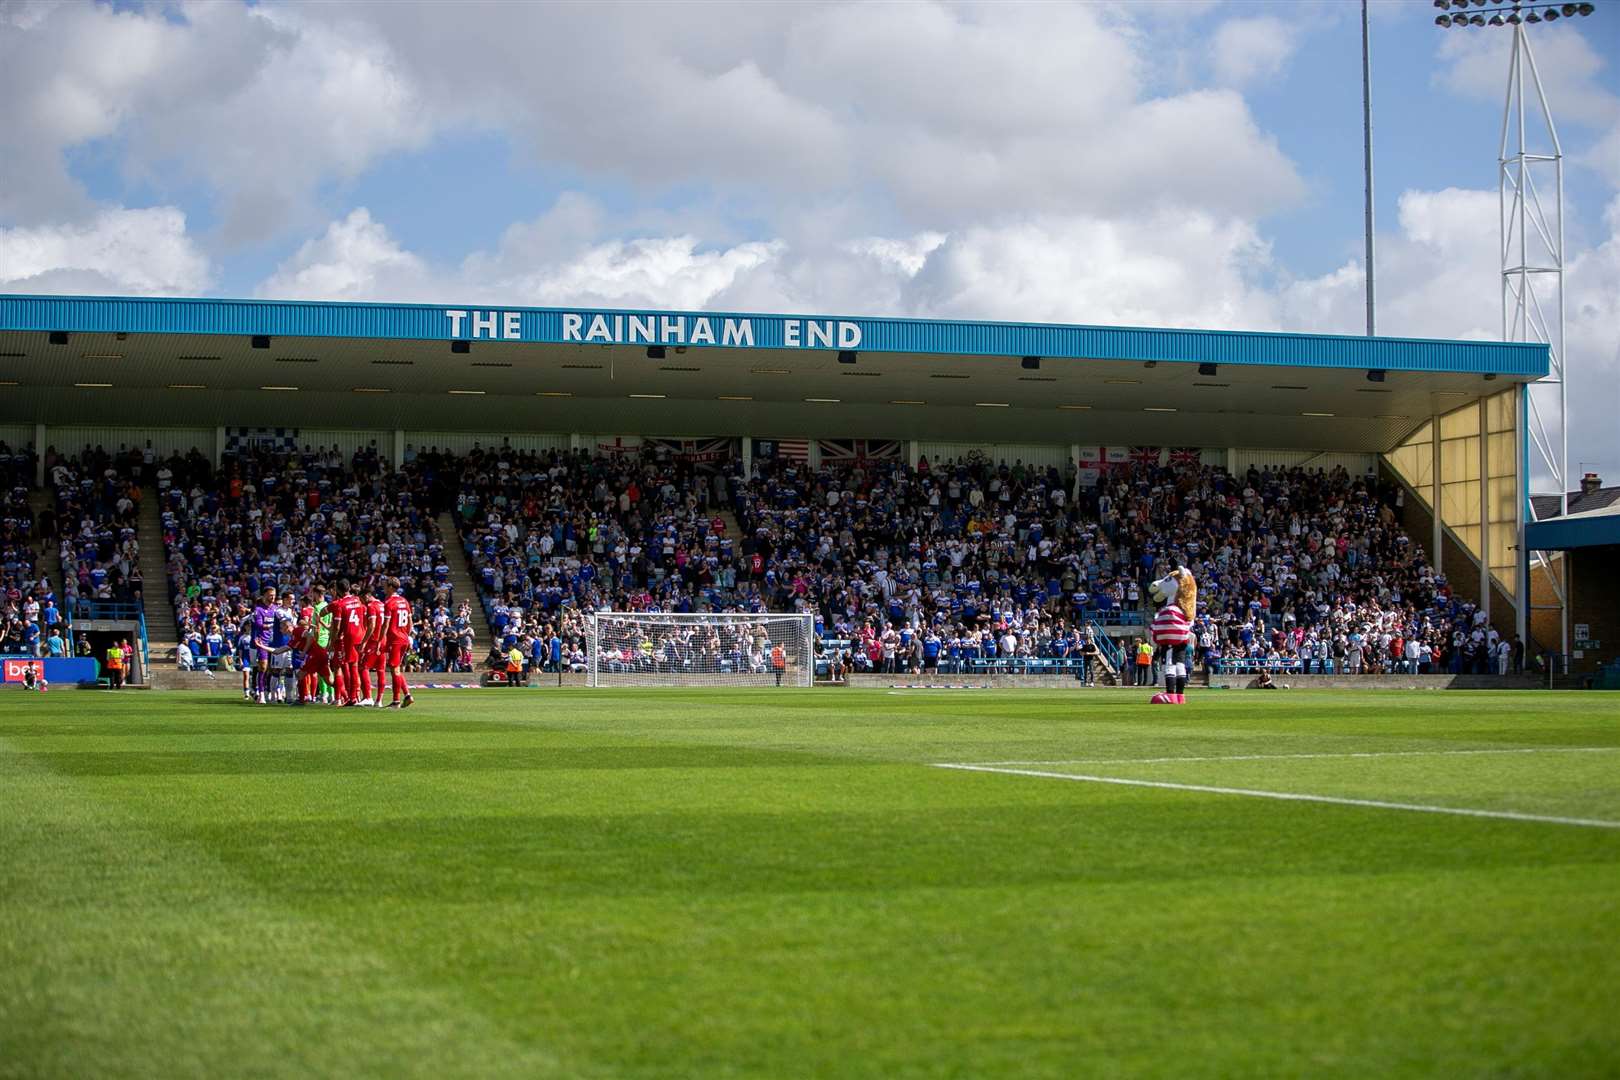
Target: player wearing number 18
{"points": [[396, 642]]}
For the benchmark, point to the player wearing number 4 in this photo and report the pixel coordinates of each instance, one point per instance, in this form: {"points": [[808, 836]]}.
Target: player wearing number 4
{"points": [[396, 643], [1177, 596]]}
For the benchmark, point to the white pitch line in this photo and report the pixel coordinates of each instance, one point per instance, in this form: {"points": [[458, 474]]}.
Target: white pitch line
{"points": [[1290, 796], [1299, 757]]}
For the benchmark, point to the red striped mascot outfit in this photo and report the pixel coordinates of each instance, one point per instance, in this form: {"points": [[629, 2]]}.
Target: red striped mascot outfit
{"points": [[1172, 631]]}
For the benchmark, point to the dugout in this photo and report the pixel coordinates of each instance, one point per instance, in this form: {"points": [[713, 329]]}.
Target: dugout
{"points": [[1445, 418]]}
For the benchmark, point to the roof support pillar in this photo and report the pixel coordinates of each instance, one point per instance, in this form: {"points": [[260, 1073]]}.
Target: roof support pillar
{"points": [[219, 446], [1436, 546], [748, 457], [1484, 512], [39, 455], [573, 440], [399, 449], [913, 452], [1521, 490]]}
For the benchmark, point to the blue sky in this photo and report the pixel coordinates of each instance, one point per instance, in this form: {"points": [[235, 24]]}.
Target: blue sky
{"points": [[1188, 163]]}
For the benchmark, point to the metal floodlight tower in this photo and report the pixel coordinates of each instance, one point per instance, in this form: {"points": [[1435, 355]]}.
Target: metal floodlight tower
{"points": [[1530, 186]]}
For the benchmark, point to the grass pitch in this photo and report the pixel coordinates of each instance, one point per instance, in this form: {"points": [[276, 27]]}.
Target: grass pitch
{"points": [[776, 884]]}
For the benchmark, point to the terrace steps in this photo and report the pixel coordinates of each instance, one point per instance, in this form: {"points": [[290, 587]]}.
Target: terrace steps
{"points": [[162, 635], [50, 560], [463, 583]]}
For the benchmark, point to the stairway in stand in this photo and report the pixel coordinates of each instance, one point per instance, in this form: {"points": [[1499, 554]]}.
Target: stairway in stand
{"points": [[50, 560], [464, 584], [161, 634], [733, 527]]}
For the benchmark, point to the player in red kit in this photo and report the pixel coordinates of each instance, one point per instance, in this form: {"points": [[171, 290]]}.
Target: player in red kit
{"points": [[396, 642], [371, 653], [348, 634]]}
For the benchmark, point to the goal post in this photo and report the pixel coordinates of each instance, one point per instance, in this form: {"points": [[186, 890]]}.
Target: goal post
{"points": [[642, 648]]}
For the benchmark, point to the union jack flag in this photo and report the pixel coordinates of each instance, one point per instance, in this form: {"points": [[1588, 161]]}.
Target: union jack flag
{"points": [[1186, 455], [1145, 455], [851, 450]]}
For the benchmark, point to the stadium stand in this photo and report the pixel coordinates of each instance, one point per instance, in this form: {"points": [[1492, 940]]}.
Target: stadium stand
{"points": [[291, 518], [969, 566]]}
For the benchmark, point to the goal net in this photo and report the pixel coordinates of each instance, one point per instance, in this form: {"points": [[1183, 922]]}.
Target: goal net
{"points": [[629, 648]]}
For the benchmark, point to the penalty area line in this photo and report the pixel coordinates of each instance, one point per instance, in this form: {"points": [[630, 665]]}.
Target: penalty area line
{"points": [[1291, 796]]}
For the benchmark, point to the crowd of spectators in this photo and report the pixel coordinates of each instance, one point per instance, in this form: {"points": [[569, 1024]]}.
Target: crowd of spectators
{"points": [[937, 566], [94, 522], [953, 562], [552, 535], [291, 518], [29, 614]]}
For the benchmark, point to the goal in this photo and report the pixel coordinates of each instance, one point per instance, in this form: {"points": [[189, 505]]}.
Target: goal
{"points": [[634, 648]]}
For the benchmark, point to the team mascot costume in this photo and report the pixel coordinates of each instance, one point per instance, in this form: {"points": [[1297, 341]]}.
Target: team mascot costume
{"points": [[1172, 632]]}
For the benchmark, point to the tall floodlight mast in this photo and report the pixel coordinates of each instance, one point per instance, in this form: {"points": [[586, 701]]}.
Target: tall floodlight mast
{"points": [[1530, 185]]}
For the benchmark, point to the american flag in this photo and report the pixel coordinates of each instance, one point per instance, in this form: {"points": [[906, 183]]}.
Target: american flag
{"points": [[784, 449], [1186, 455], [1145, 455]]}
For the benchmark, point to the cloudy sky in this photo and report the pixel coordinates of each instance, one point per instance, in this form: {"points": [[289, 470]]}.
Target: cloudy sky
{"points": [[1153, 163]]}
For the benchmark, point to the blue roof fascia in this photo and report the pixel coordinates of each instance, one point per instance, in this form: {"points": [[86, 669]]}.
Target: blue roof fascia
{"points": [[1564, 534], [423, 322]]}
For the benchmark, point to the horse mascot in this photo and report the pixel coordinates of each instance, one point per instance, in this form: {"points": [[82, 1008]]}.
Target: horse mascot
{"points": [[1172, 631]]}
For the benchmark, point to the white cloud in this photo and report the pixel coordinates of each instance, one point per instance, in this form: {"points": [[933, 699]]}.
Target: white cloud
{"points": [[1247, 49], [121, 252], [260, 103], [355, 259]]}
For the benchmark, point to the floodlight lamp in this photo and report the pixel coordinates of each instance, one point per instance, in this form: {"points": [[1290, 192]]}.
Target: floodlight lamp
{"points": [[1479, 3], [846, 357], [1532, 18], [1375, 375], [1585, 9], [1442, 21], [1460, 22], [1496, 20], [656, 352], [1570, 10], [1476, 20], [1513, 19], [1551, 15], [1207, 370], [1442, 4], [1032, 363]]}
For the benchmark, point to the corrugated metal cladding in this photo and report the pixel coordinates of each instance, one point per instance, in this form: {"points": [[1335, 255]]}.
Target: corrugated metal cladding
{"points": [[1354, 464], [419, 322], [166, 442], [17, 436], [1037, 454], [461, 442]]}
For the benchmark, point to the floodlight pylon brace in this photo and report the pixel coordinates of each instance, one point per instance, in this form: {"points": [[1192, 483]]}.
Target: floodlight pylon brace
{"points": [[1532, 285]]}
